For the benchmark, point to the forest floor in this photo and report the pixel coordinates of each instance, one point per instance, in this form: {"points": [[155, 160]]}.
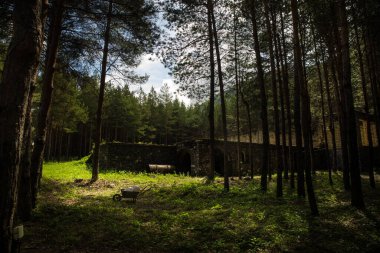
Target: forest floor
{"points": [[186, 214]]}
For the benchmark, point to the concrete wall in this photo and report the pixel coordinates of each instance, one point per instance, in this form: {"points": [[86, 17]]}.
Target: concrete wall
{"points": [[135, 157], [190, 157], [200, 153], [193, 157], [321, 158]]}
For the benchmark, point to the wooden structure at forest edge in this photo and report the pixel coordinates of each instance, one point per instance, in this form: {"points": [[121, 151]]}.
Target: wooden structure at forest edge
{"points": [[192, 157]]}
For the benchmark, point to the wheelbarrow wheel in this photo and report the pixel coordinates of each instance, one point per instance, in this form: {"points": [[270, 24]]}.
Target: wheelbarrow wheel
{"points": [[116, 197]]}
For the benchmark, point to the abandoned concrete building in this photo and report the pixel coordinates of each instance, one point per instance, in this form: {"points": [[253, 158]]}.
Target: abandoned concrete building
{"points": [[191, 157]]}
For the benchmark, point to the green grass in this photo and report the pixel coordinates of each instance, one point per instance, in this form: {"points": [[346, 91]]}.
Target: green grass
{"points": [[187, 214]]}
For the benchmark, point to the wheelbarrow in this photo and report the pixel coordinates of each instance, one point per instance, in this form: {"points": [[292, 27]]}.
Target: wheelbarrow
{"points": [[129, 193]]}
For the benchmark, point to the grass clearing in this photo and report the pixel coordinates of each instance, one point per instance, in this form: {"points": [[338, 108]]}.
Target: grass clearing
{"points": [[185, 214]]}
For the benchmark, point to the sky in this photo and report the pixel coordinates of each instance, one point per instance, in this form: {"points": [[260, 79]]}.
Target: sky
{"points": [[158, 76]]}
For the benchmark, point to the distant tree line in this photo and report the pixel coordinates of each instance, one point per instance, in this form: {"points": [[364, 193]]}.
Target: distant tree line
{"points": [[134, 117]]}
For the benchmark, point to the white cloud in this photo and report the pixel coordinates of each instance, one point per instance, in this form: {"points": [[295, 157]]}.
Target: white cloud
{"points": [[158, 76]]}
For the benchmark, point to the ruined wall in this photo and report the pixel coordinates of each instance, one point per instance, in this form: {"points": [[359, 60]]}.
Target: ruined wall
{"points": [[321, 158], [198, 152], [135, 157], [200, 157], [193, 157]]}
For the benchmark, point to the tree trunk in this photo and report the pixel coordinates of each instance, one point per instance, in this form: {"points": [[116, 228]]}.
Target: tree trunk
{"points": [[48, 153], [336, 63], [287, 103], [342, 129], [90, 143], [25, 46], [275, 101], [298, 76], [24, 205], [264, 112], [373, 82], [211, 115], [280, 70], [222, 102], [366, 109], [372, 51], [56, 141], [68, 144], [98, 131], [306, 117], [303, 36], [81, 136], [60, 131], [245, 102], [46, 96], [237, 87], [331, 112], [324, 131], [349, 111], [308, 152]]}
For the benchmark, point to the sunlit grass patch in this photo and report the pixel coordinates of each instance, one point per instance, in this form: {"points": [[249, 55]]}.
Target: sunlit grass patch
{"points": [[66, 171]]}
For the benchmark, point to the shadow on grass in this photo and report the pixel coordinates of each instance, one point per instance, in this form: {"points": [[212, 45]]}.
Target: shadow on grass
{"points": [[195, 217]]}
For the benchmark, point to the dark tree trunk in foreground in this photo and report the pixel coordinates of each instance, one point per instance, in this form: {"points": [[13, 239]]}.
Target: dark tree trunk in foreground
{"points": [[373, 81], [248, 109], [349, 111], [275, 101], [366, 109], [336, 63], [298, 76], [98, 131], [237, 86], [15, 87], [287, 103], [222, 103], [371, 13], [331, 112], [280, 69], [24, 204], [306, 117], [308, 148], [46, 97], [264, 112], [324, 131], [211, 115]]}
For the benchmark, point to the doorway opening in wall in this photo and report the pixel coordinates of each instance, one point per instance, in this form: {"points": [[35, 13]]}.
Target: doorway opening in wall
{"points": [[184, 163], [219, 162]]}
